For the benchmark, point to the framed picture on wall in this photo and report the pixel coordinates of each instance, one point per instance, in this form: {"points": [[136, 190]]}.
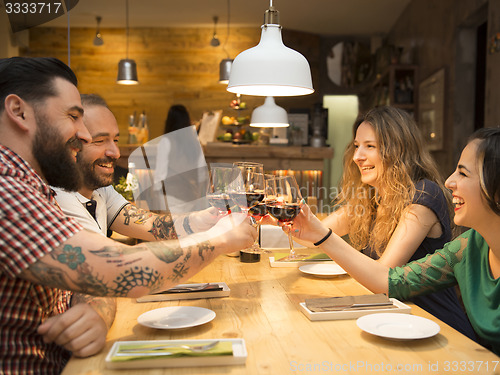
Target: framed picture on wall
{"points": [[431, 109]]}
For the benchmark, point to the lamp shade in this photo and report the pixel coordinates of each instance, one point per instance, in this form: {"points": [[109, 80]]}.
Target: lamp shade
{"points": [[269, 115], [127, 72], [225, 70], [270, 68]]}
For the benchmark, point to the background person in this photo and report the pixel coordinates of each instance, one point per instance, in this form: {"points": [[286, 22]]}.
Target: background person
{"points": [[177, 118]]}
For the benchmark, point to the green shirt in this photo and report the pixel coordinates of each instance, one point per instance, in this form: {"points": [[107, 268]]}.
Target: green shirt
{"points": [[463, 261]]}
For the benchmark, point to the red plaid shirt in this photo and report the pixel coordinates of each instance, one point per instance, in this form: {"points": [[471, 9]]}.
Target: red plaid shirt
{"points": [[31, 226]]}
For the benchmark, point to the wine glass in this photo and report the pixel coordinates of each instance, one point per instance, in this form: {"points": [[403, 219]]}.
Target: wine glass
{"points": [[286, 205], [249, 166], [221, 179], [260, 210], [247, 191]]}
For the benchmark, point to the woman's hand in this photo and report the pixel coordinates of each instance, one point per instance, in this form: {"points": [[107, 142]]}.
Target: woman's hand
{"points": [[306, 226]]}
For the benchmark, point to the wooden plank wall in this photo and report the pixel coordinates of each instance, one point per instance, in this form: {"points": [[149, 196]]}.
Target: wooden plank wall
{"points": [[175, 66]]}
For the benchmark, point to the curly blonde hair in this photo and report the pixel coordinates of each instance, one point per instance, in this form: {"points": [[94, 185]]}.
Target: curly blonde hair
{"points": [[373, 217]]}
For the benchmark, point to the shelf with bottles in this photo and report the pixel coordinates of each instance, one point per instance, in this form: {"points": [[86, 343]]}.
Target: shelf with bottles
{"points": [[138, 129], [397, 86]]}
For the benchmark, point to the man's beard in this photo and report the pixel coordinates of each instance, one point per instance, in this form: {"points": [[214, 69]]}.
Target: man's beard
{"points": [[54, 156], [91, 178]]}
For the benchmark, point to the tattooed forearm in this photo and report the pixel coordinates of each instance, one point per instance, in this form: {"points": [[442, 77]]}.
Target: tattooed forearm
{"points": [[181, 269], [137, 215], [205, 246], [137, 277], [163, 228], [104, 306], [69, 267], [164, 252]]}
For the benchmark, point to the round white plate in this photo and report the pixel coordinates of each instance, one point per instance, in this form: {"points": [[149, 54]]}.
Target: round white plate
{"points": [[398, 326], [176, 317], [322, 270]]}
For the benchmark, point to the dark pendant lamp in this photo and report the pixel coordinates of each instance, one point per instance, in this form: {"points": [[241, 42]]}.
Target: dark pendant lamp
{"points": [[127, 68], [226, 64]]}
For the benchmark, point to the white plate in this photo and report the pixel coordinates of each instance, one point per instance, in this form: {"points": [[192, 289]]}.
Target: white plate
{"points": [[323, 270], [176, 317], [398, 326]]}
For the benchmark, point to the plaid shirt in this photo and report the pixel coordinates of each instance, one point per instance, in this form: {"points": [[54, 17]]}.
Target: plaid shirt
{"points": [[31, 226]]}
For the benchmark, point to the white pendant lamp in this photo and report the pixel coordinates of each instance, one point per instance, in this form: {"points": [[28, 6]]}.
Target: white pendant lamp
{"points": [[269, 115], [127, 68], [270, 68]]}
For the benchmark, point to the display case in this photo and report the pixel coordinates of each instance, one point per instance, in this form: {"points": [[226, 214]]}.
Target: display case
{"points": [[397, 86]]}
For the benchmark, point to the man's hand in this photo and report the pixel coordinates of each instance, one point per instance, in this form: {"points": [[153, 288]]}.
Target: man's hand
{"points": [[203, 220], [81, 329], [232, 232]]}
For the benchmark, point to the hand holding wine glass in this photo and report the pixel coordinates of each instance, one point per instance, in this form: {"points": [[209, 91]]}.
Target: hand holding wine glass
{"points": [[221, 179], [286, 205]]}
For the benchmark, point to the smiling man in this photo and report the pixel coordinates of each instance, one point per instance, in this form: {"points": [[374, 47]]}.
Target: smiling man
{"points": [[98, 206], [46, 258]]}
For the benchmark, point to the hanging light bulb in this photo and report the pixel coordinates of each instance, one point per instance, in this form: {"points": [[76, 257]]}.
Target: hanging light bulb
{"points": [[98, 41], [215, 40], [270, 68], [269, 115], [226, 64], [127, 68]]}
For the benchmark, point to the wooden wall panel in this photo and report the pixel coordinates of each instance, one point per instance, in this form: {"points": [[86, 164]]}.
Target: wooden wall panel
{"points": [[175, 66]]}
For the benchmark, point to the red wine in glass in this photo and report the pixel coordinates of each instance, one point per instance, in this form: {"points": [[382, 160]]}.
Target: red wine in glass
{"points": [[258, 211], [284, 213], [220, 201], [247, 200]]}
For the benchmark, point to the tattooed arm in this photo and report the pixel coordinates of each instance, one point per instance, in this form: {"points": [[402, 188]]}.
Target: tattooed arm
{"points": [[146, 225], [83, 328], [90, 264]]}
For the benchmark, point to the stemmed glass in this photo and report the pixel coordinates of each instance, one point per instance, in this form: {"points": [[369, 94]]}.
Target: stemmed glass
{"points": [[260, 210], [286, 206], [249, 166], [221, 179], [248, 191]]}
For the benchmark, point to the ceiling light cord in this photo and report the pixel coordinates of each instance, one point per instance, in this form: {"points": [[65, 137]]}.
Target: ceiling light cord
{"points": [[228, 28], [69, 41], [126, 25]]}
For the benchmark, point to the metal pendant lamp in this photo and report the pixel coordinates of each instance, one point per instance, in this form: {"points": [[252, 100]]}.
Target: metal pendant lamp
{"points": [[269, 115], [127, 68], [270, 68], [227, 63]]}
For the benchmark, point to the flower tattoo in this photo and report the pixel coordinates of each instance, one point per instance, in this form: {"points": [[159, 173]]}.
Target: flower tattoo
{"points": [[72, 256]]}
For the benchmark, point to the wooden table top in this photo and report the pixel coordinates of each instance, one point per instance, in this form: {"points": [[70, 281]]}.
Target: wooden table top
{"points": [[263, 309]]}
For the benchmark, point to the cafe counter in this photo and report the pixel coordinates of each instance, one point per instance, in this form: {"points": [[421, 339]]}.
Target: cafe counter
{"points": [[273, 157]]}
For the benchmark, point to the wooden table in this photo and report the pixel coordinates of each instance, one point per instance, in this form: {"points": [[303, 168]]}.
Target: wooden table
{"points": [[263, 308]]}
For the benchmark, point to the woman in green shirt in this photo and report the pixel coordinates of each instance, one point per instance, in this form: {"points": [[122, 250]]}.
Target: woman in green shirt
{"points": [[472, 260]]}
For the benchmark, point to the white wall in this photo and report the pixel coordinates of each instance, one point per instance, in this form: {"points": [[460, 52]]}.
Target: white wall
{"points": [[342, 112]]}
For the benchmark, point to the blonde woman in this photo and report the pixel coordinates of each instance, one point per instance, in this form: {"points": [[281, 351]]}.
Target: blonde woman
{"points": [[393, 204], [471, 261]]}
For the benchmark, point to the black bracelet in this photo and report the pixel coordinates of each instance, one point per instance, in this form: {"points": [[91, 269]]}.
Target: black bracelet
{"points": [[186, 226], [330, 231]]}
